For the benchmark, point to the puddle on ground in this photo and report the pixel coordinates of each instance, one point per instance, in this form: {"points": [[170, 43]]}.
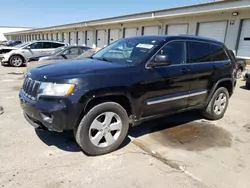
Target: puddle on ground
{"points": [[195, 136]]}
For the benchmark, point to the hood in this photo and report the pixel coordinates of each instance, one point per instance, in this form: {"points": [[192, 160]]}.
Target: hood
{"points": [[70, 67], [8, 47]]}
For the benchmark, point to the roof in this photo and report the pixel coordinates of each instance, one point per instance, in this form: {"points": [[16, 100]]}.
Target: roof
{"points": [[214, 6], [184, 37]]}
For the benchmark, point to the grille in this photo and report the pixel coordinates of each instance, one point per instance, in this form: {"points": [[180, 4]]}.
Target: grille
{"points": [[30, 88]]}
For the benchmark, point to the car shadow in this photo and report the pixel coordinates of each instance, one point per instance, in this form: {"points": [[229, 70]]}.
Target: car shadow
{"points": [[243, 87], [65, 140], [164, 123]]}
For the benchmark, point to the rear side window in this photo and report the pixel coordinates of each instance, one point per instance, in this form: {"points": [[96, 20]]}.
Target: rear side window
{"points": [[56, 45], [218, 53], [198, 52]]}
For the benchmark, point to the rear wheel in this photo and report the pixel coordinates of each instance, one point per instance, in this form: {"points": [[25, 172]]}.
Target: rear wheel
{"points": [[16, 61], [102, 129], [238, 73], [217, 105]]}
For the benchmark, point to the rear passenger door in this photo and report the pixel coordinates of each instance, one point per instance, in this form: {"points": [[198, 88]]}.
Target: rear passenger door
{"points": [[202, 71]]}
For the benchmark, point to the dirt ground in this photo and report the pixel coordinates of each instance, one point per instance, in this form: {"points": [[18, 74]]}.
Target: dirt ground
{"points": [[177, 151]]}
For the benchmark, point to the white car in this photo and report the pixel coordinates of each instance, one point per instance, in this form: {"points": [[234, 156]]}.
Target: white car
{"points": [[17, 55]]}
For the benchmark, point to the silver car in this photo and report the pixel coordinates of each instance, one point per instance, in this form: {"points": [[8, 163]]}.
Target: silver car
{"points": [[17, 55]]}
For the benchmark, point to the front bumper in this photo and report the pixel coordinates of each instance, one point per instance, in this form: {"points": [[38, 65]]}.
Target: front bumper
{"points": [[52, 113]]}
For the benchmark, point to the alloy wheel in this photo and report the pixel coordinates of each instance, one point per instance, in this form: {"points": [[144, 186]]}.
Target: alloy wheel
{"points": [[220, 103], [105, 129]]}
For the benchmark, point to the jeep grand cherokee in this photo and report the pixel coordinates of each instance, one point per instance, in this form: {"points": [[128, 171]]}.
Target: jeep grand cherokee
{"points": [[129, 81]]}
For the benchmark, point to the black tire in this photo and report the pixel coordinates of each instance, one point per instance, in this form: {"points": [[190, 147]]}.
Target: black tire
{"points": [[248, 85], [82, 131], [12, 63], [208, 112]]}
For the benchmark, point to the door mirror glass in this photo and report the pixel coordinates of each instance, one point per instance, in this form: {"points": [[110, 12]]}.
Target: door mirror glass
{"points": [[160, 60]]}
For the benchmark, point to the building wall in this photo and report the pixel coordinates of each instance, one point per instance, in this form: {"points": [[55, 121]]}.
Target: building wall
{"points": [[231, 38], [7, 29]]}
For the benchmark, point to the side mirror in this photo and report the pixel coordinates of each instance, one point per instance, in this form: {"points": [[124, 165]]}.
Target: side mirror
{"points": [[160, 60], [28, 47]]}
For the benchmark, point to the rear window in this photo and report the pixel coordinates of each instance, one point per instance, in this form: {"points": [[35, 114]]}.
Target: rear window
{"points": [[218, 53], [198, 52]]}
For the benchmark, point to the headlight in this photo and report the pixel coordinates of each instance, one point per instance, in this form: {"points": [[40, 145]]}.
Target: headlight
{"points": [[53, 89]]}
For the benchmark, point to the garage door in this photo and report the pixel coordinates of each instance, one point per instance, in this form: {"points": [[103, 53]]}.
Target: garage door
{"points": [[151, 30], [81, 38], [100, 38], [66, 38], [244, 42], [54, 37], [72, 38], [113, 35], [130, 32], [60, 37], [177, 29], [214, 30], [90, 38]]}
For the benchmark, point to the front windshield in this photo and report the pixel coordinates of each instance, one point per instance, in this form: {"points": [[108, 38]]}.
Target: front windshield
{"points": [[128, 51], [22, 44], [57, 50]]}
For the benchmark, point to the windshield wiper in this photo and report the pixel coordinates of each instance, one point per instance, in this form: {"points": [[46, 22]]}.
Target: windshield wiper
{"points": [[103, 59]]}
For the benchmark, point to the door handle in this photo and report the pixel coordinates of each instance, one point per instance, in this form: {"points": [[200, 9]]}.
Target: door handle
{"points": [[185, 70]]}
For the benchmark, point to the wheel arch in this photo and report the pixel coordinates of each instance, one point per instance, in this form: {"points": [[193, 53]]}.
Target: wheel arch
{"points": [[17, 54], [122, 98], [228, 83]]}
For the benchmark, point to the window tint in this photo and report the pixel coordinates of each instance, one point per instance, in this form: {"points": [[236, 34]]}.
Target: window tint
{"points": [[218, 53], [81, 50], [46, 45], [175, 52], [198, 52], [71, 51], [36, 45], [56, 45]]}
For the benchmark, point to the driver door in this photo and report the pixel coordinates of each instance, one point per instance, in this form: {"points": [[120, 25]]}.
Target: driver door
{"points": [[167, 87]]}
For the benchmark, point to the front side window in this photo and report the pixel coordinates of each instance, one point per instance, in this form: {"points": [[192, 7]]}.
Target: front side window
{"points": [[218, 53], [128, 51], [36, 45], [198, 52], [46, 45], [71, 51], [175, 51]]}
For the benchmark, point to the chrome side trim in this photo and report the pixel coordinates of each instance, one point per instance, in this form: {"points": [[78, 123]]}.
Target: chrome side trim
{"points": [[176, 98]]}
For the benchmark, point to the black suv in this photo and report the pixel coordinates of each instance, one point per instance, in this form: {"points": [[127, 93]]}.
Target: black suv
{"points": [[129, 81]]}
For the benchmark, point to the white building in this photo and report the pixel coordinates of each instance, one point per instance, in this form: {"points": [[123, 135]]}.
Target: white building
{"points": [[7, 29], [227, 21]]}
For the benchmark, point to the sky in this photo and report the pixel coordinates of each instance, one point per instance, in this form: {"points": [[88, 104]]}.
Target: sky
{"points": [[42, 13]]}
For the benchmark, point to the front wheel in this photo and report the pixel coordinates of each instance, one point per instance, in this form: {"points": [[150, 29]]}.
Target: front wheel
{"points": [[102, 129], [16, 61], [217, 106]]}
